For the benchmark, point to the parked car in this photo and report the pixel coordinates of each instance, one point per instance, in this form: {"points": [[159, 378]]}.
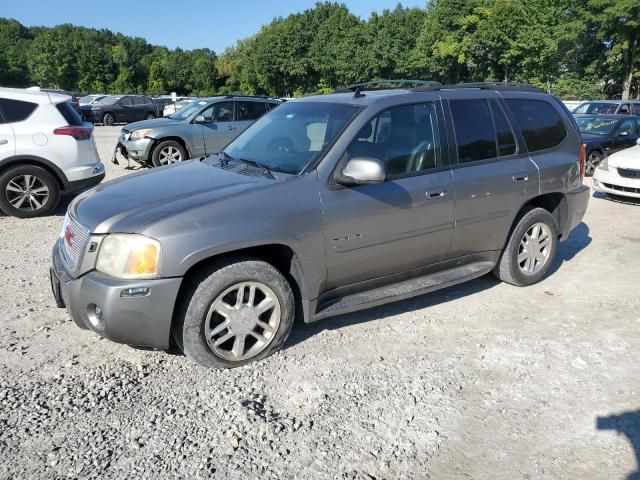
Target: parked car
{"points": [[45, 150], [619, 174], [606, 134], [74, 100], [174, 107], [203, 127], [324, 206], [90, 99], [120, 109], [609, 107]]}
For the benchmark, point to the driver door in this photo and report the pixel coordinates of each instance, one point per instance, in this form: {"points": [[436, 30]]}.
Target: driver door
{"points": [[219, 126]]}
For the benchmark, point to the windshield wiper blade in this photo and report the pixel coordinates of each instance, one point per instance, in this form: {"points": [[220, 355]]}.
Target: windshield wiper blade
{"points": [[264, 168]]}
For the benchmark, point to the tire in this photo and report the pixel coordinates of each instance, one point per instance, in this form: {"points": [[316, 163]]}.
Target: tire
{"points": [[167, 152], [43, 188], [149, 116], [509, 269], [216, 290], [108, 120], [593, 160]]}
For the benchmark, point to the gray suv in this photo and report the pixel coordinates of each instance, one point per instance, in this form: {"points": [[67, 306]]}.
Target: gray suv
{"points": [[203, 127], [324, 206]]}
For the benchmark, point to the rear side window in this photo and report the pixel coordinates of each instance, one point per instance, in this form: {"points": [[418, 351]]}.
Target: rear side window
{"points": [[636, 108], [250, 110], [540, 123], [16, 110], [473, 126], [506, 140], [69, 113]]}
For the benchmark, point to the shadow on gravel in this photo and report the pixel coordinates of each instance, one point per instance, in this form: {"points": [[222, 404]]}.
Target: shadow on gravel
{"points": [[628, 424], [578, 240], [303, 331]]}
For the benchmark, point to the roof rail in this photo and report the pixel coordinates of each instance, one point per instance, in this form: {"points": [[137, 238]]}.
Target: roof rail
{"points": [[359, 87], [496, 86], [248, 96]]}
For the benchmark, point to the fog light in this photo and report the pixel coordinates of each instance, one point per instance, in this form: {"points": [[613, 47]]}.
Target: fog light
{"points": [[135, 292], [96, 317]]}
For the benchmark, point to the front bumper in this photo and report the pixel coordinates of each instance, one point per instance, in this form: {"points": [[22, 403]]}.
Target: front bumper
{"points": [[138, 150], [143, 321], [608, 181]]}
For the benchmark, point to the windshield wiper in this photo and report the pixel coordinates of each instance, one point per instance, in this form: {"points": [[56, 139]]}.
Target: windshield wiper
{"points": [[264, 168]]}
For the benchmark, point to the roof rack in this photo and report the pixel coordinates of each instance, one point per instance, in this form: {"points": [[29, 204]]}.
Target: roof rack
{"points": [[232, 95], [357, 88], [496, 86]]}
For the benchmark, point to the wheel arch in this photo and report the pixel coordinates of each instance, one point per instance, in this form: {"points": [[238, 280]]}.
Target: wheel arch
{"points": [[48, 165], [158, 141], [555, 203]]}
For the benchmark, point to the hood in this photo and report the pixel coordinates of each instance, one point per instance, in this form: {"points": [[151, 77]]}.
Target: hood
{"points": [[629, 158], [156, 122], [129, 203]]}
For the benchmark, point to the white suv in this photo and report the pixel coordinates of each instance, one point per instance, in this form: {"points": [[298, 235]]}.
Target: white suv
{"points": [[45, 150]]}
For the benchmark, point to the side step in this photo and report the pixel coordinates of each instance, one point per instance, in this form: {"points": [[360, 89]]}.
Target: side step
{"points": [[402, 290]]}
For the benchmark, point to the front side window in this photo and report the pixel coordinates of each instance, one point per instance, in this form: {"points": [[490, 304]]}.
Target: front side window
{"points": [[627, 127], [596, 125], [540, 123], [404, 138], [250, 110], [218, 112], [16, 110], [473, 126], [293, 135], [601, 108]]}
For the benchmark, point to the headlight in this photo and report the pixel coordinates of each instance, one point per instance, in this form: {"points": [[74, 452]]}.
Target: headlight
{"points": [[604, 165], [129, 256], [138, 134]]}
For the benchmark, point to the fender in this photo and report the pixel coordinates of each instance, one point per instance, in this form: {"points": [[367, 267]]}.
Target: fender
{"points": [[38, 161]]}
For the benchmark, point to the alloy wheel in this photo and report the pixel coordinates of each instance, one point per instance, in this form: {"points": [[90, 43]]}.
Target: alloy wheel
{"points": [[535, 247], [27, 192], [170, 155], [242, 321]]}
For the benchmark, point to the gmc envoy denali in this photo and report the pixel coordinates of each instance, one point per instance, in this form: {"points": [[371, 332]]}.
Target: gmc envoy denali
{"points": [[325, 205]]}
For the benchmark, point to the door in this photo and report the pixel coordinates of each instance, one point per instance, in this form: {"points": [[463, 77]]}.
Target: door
{"points": [[402, 223], [493, 175], [124, 111], [219, 127], [139, 109], [625, 136], [247, 113], [7, 140]]}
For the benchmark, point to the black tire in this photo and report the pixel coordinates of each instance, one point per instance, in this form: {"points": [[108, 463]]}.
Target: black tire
{"points": [[149, 116], [593, 160], [108, 120], [201, 292], [40, 178], [508, 268], [163, 148]]}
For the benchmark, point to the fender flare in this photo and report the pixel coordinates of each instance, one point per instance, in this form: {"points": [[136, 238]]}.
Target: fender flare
{"points": [[38, 161]]}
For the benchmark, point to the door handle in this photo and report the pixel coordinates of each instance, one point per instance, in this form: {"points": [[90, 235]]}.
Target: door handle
{"points": [[520, 177], [436, 193], [4, 141], [231, 128]]}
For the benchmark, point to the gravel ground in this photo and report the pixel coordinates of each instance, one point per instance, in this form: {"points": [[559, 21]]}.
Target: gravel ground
{"points": [[481, 380]]}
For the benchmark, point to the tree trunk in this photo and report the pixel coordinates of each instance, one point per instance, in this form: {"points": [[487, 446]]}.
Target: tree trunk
{"points": [[628, 59]]}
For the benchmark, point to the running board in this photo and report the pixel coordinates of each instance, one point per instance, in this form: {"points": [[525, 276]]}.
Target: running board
{"points": [[402, 290]]}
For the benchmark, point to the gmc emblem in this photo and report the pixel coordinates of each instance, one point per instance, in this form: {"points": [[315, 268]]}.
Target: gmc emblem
{"points": [[68, 236]]}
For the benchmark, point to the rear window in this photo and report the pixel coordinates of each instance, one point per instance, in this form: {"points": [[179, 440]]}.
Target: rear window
{"points": [[16, 110], [540, 123], [250, 110], [69, 113]]}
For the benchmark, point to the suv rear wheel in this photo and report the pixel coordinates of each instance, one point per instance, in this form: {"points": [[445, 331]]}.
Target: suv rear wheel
{"points": [[168, 152], [238, 311], [28, 191], [530, 250]]}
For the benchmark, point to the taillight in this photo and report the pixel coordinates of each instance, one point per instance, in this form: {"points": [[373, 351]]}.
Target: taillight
{"points": [[582, 160], [79, 133]]}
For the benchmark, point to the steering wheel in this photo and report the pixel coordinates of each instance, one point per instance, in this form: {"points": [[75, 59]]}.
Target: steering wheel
{"points": [[281, 145]]}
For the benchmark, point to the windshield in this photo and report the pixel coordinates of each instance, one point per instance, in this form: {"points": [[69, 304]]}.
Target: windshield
{"points": [[291, 136], [597, 107], [596, 125], [189, 110]]}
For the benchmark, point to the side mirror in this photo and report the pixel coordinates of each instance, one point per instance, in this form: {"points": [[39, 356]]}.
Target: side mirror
{"points": [[200, 119], [361, 171]]}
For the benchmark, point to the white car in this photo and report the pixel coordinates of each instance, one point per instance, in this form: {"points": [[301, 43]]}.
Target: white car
{"points": [[174, 107], [619, 174], [45, 150]]}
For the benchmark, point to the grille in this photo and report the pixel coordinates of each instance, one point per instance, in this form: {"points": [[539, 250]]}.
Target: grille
{"points": [[621, 189], [74, 237], [629, 173]]}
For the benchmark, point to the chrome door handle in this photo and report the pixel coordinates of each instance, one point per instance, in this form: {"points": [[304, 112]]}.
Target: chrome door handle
{"points": [[436, 194], [520, 177], [4, 141]]}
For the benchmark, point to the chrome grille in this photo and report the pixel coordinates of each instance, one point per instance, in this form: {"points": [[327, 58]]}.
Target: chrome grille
{"points": [[629, 172], [74, 238]]}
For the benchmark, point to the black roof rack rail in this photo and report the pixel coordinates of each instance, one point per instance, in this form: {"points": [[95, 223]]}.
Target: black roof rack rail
{"points": [[359, 87], [233, 95], [496, 86]]}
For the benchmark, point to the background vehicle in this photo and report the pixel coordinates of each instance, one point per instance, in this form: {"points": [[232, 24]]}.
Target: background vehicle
{"points": [[609, 107], [90, 99], [606, 134], [324, 206], [45, 150], [619, 174], [120, 109], [172, 108], [203, 127], [74, 100]]}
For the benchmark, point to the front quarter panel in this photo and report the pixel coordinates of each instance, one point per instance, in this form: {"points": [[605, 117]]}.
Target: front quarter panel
{"points": [[284, 212]]}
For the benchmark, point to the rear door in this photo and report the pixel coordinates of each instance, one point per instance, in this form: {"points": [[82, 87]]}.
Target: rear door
{"points": [[7, 138], [123, 110], [493, 173], [247, 113], [219, 126]]}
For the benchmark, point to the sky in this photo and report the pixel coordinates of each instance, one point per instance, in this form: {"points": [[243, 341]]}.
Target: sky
{"points": [[187, 24]]}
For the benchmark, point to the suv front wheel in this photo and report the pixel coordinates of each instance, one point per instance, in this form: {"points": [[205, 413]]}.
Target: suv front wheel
{"points": [[238, 311], [530, 250], [28, 191], [168, 152]]}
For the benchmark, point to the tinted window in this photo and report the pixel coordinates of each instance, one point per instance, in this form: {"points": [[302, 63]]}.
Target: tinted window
{"points": [[628, 127], [540, 123], [69, 113], [219, 112], [636, 108], [126, 101], [596, 125], [16, 110], [250, 110], [506, 140], [597, 107], [473, 126], [405, 138], [625, 109]]}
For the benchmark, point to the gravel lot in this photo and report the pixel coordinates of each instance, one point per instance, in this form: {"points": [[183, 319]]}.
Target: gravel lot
{"points": [[481, 380]]}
